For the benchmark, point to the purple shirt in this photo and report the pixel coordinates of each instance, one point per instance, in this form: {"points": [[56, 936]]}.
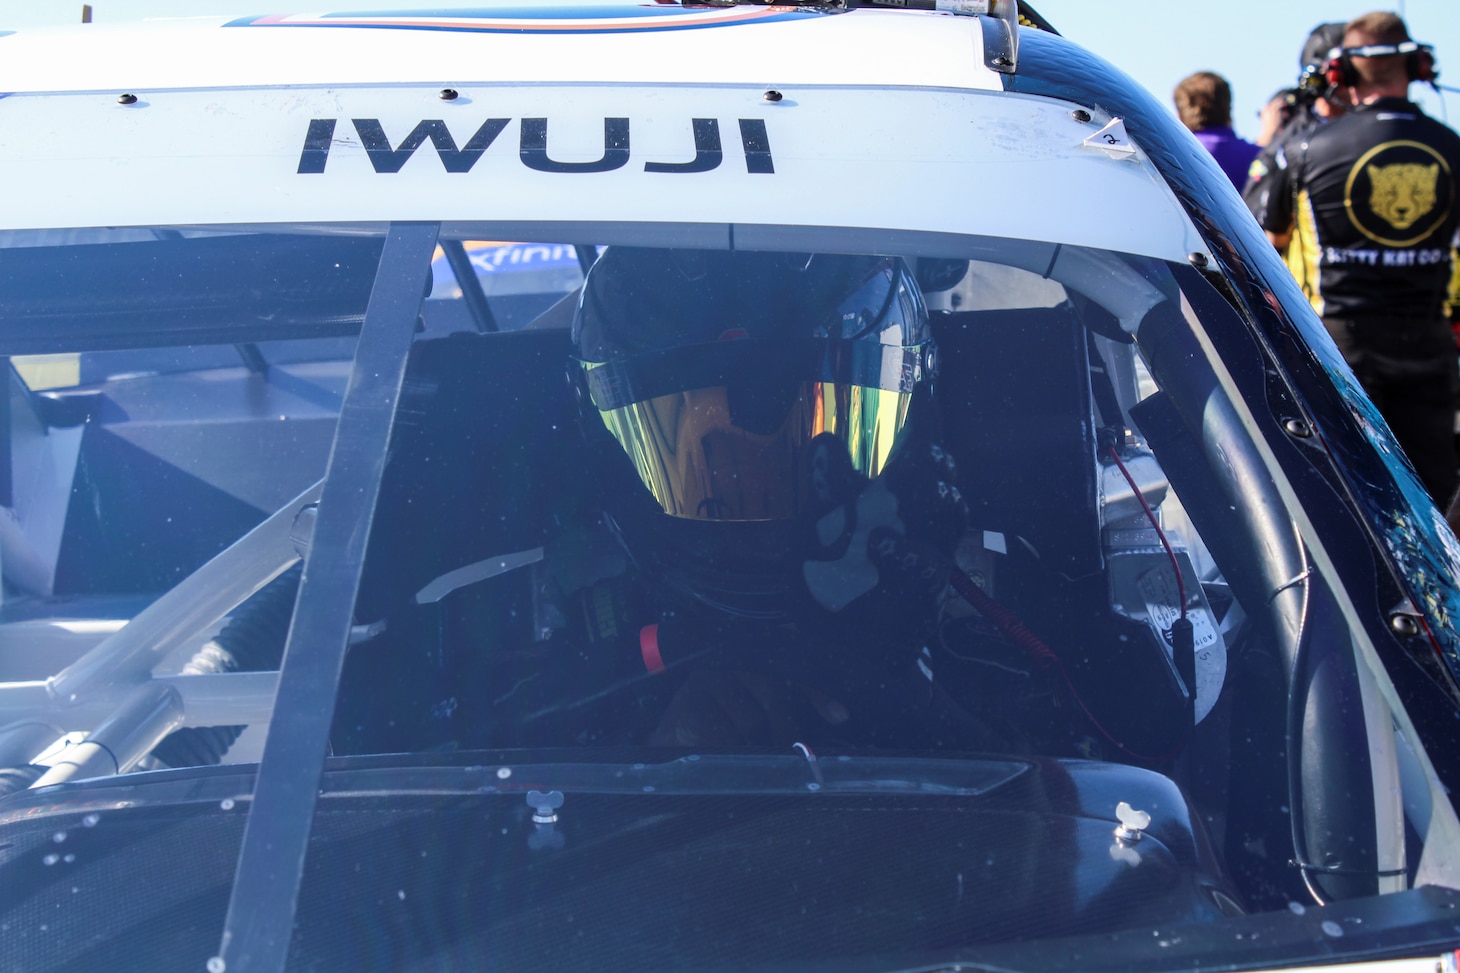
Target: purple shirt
{"points": [[1233, 154]]}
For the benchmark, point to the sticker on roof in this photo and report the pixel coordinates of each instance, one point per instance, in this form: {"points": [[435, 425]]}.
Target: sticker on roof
{"points": [[542, 17]]}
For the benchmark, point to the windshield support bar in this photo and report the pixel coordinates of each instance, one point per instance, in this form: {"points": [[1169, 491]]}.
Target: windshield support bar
{"points": [[471, 286], [587, 255], [265, 892]]}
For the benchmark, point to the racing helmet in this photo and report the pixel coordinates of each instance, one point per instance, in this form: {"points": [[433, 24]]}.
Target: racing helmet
{"points": [[1313, 60], [709, 374], [715, 370]]}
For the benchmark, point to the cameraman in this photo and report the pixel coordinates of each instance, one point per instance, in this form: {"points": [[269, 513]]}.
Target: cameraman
{"points": [[1313, 105]]}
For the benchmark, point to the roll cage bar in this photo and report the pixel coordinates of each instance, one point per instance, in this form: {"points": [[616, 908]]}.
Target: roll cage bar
{"points": [[113, 688], [260, 917]]}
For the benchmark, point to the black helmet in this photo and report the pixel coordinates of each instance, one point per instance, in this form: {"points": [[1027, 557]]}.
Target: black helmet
{"points": [[713, 370], [1313, 59], [1321, 41], [704, 376]]}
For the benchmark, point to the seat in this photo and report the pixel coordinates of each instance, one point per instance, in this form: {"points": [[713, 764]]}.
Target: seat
{"points": [[475, 456]]}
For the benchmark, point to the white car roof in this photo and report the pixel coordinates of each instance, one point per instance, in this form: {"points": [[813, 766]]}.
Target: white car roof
{"points": [[870, 119], [737, 45]]}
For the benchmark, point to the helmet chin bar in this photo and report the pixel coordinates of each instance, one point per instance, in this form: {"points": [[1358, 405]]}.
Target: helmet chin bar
{"points": [[741, 569]]}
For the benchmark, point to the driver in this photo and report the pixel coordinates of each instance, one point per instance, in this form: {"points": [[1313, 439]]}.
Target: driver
{"points": [[768, 449], [741, 537]]}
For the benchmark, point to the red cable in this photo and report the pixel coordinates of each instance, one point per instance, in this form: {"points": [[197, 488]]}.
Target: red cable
{"points": [[1043, 656], [1151, 516], [1006, 620], [649, 649]]}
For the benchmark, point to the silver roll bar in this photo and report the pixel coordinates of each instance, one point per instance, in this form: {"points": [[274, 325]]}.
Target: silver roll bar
{"points": [[151, 712], [106, 686], [199, 601]]}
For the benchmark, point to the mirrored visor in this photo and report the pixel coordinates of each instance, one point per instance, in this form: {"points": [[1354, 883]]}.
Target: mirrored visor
{"points": [[621, 382], [698, 462]]}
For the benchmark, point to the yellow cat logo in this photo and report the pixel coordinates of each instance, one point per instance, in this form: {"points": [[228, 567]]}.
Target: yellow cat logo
{"points": [[1403, 192], [1399, 194]]}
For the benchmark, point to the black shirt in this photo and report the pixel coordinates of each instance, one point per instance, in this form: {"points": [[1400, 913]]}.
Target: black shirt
{"points": [[1264, 173], [1371, 200]]}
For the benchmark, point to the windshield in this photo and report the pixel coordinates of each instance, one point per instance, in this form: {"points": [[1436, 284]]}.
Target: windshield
{"points": [[671, 597]]}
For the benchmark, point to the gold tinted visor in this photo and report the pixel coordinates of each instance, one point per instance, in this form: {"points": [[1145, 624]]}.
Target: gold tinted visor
{"points": [[697, 463]]}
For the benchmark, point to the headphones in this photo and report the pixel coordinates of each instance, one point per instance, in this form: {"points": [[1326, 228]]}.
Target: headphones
{"points": [[1419, 62]]}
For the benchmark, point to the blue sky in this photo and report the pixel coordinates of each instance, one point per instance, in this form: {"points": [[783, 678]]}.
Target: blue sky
{"points": [[1157, 42], [1254, 45]]}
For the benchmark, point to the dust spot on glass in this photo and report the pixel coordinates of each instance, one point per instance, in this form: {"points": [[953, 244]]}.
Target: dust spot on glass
{"points": [[58, 837], [1296, 908], [50, 859], [90, 821], [226, 804], [1332, 928], [216, 964]]}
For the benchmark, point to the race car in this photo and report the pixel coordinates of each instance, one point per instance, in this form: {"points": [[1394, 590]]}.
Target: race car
{"points": [[686, 485]]}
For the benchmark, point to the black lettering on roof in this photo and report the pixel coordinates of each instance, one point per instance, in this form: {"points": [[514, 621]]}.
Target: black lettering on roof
{"points": [[757, 145], [615, 148], [387, 159], [707, 150]]}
